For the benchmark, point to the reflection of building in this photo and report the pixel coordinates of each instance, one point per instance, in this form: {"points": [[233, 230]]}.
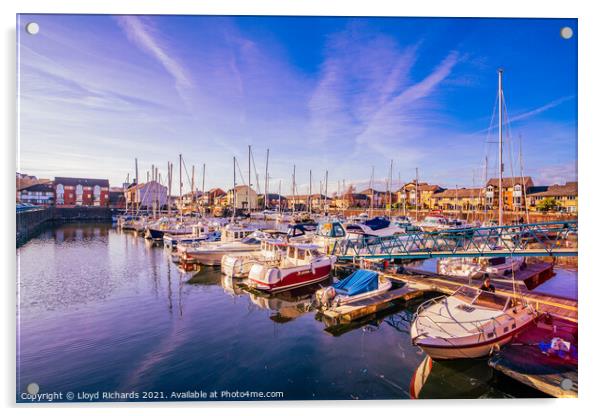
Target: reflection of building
{"points": [[513, 193], [564, 196], [146, 195], [38, 194], [82, 191], [246, 197]]}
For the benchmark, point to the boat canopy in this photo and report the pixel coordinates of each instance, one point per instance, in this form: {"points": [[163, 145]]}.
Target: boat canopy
{"points": [[377, 223], [360, 281]]}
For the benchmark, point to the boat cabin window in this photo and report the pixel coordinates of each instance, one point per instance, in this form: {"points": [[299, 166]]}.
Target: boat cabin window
{"points": [[301, 254], [491, 300], [291, 252], [314, 252], [466, 294]]}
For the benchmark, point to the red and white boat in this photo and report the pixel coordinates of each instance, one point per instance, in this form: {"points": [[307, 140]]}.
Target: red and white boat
{"points": [[303, 265]]}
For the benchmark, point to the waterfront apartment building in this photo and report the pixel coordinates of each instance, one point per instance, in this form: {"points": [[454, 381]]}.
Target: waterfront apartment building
{"points": [[562, 198], [246, 197], [81, 192], [37, 194], [514, 190], [148, 195], [462, 199], [381, 198], [407, 195]]}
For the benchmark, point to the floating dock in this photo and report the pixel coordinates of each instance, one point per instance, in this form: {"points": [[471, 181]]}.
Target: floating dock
{"points": [[525, 361], [361, 308], [525, 280]]}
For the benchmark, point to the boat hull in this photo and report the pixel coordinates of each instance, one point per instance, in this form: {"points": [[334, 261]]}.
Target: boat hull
{"points": [[292, 278], [210, 257]]}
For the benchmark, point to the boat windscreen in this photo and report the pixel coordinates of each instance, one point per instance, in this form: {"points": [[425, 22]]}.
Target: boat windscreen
{"points": [[491, 300], [250, 240], [466, 294]]}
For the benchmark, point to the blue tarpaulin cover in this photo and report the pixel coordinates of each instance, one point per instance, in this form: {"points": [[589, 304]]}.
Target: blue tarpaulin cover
{"points": [[378, 223], [360, 281]]}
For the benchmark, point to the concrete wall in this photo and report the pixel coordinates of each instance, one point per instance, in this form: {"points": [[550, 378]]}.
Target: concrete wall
{"points": [[29, 223]]}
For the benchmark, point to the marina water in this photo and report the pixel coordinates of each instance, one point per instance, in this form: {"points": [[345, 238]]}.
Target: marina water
{"points": [[100, 310]]}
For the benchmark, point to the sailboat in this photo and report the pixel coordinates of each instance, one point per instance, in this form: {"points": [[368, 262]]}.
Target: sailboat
{"points": [[471, 323]]}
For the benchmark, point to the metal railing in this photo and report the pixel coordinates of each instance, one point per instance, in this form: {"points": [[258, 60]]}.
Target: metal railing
{"points": [[538, 239]]}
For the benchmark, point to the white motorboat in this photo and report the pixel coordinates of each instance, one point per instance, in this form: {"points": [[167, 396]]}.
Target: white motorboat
{"points": [[480, 266], [211, 253], [470, 323], [359, 285], [239, 264], [327, 234], [199, 233], [303, 265], [232, 234], [377, 226]]}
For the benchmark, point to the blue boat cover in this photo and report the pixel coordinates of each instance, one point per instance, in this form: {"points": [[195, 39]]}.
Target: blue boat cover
{"points": [[360, 281], [378, 223]]}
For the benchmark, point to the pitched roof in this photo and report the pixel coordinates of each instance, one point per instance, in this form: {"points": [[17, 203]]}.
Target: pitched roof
{"points": [[422, 186], [568, 189], [82, 181], [459, 193], [39, 187], [508, 182], [369, 192]]}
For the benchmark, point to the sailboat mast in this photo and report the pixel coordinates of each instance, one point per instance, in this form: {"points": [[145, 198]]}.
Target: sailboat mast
{"points": [[234, 191], [326, 189], [372, 190], [203, 190], [500, 149], [267, 160], [416, 197], [249, 187], [309, 196], [294, 199], [390, 186]]}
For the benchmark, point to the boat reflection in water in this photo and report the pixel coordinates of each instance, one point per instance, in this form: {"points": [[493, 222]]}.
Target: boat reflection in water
{"points": [[287, 305]]}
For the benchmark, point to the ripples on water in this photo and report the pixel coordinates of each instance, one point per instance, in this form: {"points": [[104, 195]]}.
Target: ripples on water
{"points": [[103, 310]]}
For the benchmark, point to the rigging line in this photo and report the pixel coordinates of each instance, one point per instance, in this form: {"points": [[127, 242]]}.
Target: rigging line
{"points": [[509, 145], [256, 174], [242, 177], [186, 172]]}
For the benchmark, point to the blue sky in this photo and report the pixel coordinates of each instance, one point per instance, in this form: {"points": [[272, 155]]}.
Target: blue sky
{"points": [[342, 94]]}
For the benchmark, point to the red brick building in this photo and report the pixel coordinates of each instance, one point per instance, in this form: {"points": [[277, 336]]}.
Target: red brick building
{"points": [[81, 192]]}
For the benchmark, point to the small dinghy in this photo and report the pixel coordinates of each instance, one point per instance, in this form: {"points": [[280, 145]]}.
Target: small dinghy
{"points": [[471, 323], [361, 284]]}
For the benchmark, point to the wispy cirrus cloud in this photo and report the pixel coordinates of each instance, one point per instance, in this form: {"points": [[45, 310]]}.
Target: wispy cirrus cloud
{"points": [[366, 98], [142, 33]]}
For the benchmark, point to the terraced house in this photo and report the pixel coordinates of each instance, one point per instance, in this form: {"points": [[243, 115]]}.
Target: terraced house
{"points": [[563, 198], [462, 199], [408, 194], [514, 191]]}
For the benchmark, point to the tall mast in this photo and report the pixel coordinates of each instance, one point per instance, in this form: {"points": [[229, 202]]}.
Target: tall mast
{"points": [[500, 164], [280, 196], [309, 196], [169, 177], [203, 190], [234, 191], [180, 198], [249, 187], [372, 191], [267, 160], [294, 200], [326, 189], [136, 163], [416, 196], [524, 195]]}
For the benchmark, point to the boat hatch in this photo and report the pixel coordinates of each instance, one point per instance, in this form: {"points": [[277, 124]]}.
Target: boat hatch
{"points": [[466, 308]]}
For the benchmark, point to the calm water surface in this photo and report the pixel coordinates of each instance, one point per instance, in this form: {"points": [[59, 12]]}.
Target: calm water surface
{"points": [[104, 311]]}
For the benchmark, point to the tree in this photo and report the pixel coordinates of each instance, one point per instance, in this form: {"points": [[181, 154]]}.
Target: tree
{"points": [[547, 204]]}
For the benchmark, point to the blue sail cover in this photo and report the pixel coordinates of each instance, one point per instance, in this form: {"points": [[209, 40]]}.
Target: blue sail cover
{"points": [[378, 223], [360, 281]]}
